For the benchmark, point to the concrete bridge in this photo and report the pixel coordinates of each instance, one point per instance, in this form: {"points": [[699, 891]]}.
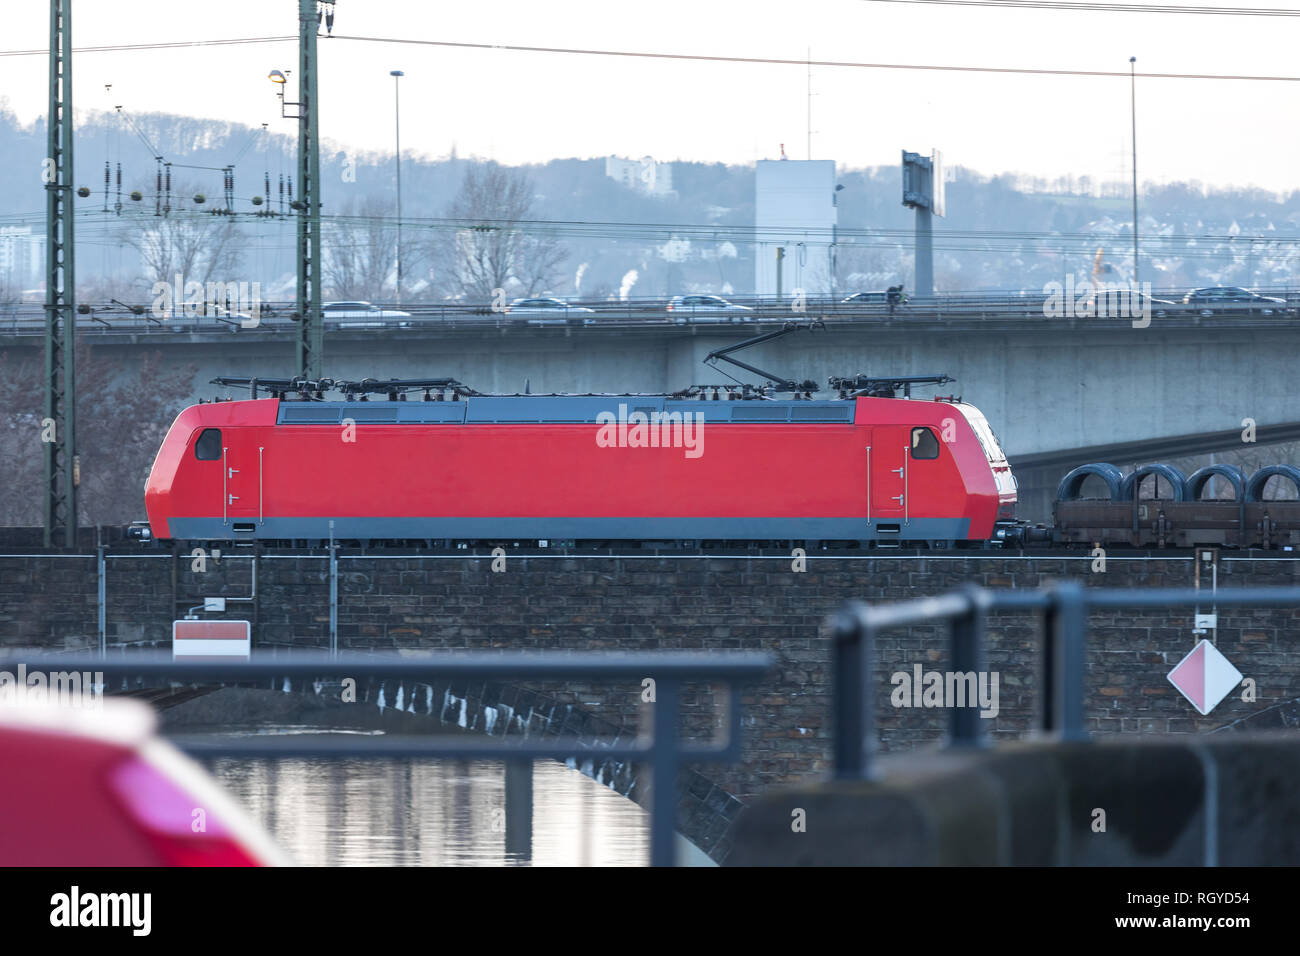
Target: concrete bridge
{"points": [[1058, 392], [411, 603]]}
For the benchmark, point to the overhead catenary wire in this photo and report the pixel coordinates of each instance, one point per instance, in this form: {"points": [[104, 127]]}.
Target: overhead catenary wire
{"points": [[1274, 249], [161, 45], [720, 231], [808, 63], [804, 62], [1073, 5]]}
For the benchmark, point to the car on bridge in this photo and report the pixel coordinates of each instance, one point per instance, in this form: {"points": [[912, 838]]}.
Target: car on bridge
{"points": [[1127, 303], [1233, 299], [547, 311], [363, 315], [706, 308]]}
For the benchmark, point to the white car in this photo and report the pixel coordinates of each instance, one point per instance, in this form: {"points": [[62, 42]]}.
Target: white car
{"points": [[706, 308], [549, 312], [362, 315]]}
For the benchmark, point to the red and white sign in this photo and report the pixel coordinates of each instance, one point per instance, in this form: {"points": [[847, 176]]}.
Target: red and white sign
{"points": [[211, 640], [1205, 677]]}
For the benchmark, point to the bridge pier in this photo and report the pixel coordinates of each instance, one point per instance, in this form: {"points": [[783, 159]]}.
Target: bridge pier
{"points": [[519, 809]]}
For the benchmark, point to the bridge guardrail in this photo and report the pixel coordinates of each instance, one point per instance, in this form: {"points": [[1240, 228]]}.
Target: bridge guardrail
{"points": [[913, 314], [1064, 609], [663, 751]]}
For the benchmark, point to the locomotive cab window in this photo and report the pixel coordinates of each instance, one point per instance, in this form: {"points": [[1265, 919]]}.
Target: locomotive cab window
{"points": [[924, 444], [208, 447]]}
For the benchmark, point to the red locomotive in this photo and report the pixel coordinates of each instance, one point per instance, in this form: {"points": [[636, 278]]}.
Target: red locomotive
{"points": [[460, 466], [873, 470]]}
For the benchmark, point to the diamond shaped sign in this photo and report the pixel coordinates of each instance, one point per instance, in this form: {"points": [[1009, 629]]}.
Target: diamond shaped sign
{"points": [[1205, 677]]}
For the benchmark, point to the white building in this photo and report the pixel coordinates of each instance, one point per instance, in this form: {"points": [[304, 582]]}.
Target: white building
{"points": [[645, 175], [794, 211], [22, 257]]}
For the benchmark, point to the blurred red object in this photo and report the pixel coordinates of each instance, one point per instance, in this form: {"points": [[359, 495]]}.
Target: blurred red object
{"points": [[95, 786]]}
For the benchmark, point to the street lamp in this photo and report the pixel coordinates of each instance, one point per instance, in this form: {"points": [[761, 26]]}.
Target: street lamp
{"points": [[397, 120], [835, 201], [280, 79], [1132, 74]]}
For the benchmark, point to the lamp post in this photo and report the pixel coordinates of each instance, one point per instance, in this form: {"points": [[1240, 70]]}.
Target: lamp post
{"points": [[1132, 75], [397, 120]]}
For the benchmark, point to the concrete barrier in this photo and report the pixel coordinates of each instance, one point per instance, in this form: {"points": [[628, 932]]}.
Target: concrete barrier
{"points": [[1221, 800]]}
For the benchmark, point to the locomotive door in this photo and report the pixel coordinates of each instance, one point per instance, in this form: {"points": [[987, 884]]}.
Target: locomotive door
{"points": [[241, 486], [887, 474]]}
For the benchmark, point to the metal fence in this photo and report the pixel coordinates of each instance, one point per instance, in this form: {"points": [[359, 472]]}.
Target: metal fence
{"points": [[1064, 615], [945, 310], [662, 750]]}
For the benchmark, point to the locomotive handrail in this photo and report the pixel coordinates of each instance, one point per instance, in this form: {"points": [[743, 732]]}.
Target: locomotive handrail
{"points": [[906, 452], [1064, 610], [868, 486]]}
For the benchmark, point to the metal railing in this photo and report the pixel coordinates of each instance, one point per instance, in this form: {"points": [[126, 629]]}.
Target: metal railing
{"points": [[1064, 609], [662, 751], [950, 311]]}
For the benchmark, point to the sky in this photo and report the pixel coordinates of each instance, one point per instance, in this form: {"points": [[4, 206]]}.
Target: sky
{"points": [[520, 107]]}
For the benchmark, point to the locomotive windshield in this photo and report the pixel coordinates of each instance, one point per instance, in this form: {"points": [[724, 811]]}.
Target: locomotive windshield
{"points": [[988, 441]]}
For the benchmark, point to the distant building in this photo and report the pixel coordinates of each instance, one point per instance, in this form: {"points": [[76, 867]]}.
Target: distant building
{"points": [[794, 211], [22, 256], [645, 175]]}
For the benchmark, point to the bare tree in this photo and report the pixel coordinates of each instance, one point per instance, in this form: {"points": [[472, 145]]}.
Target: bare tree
{"points": [[196, 245], [862, 268], [121, 423], [21, 462], [359, 251], [490, 250], [1250, 458], [11, 296]]}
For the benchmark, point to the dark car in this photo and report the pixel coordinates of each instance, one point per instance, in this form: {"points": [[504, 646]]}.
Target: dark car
{"points": [[866, 298], [892, 297], [1234, 299]]}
